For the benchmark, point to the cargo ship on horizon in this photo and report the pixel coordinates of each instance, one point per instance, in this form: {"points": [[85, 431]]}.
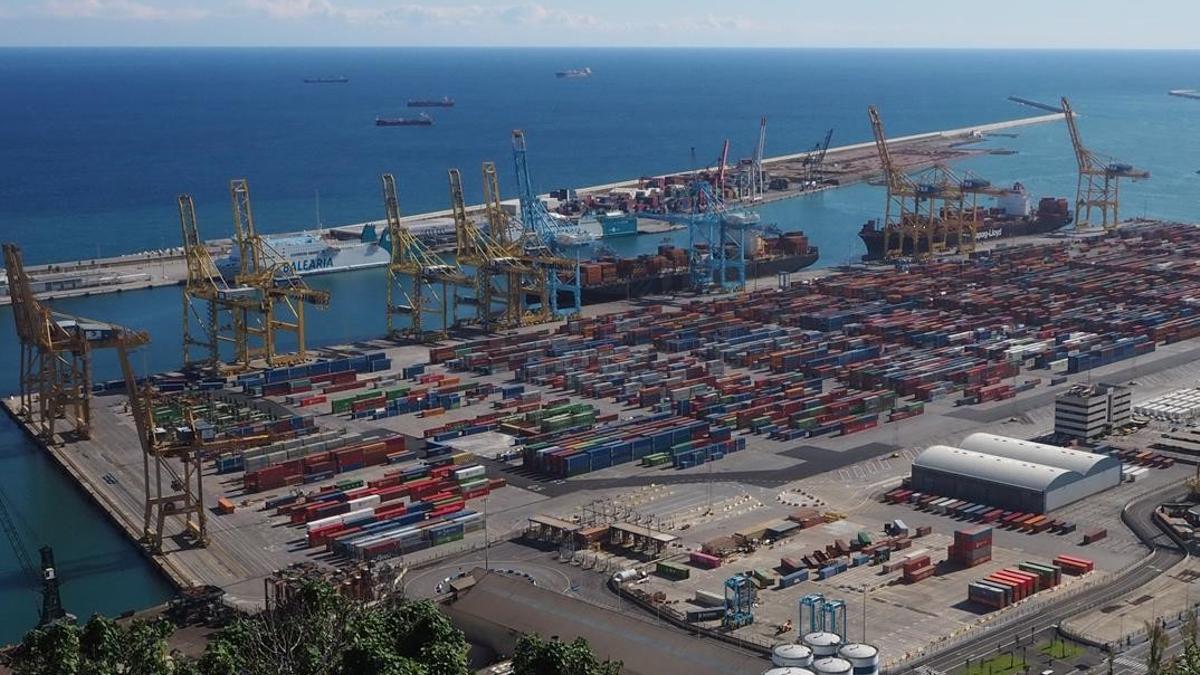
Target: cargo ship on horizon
{"points": [[573, 73], [443, 102], [339, 79], [421, 120], [1012, 216]]}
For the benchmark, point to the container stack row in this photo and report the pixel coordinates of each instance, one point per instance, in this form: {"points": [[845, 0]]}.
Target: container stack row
{"points": [[682, 441], [297, 379], [323, 465], [1004, 587]]}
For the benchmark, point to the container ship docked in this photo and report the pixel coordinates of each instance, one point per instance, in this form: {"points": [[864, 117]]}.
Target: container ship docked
{"points": [[1012, 216], [608, 278], [616, 278]]}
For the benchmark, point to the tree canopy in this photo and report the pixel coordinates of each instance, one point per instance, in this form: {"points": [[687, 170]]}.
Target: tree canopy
{"points": [[315, 631], [535, 656]]}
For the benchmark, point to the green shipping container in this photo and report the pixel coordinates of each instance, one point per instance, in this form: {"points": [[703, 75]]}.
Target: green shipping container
{"points": [[672, 571]]}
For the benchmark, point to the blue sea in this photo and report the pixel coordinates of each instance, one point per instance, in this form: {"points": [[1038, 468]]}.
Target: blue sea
{"points": [[97, 144]]}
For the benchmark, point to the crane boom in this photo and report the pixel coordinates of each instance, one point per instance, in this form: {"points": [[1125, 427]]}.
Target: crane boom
{"points": [[759, 152], [56, 351], [278, 291], [413, 271], [1082, 156], [1097, 191], [549, 243]]}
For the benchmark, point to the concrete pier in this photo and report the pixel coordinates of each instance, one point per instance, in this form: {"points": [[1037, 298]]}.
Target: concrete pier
{"points": [[849, 163]]}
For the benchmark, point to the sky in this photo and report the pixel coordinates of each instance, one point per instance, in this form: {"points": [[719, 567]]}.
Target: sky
{"points": [[1069, 24]]}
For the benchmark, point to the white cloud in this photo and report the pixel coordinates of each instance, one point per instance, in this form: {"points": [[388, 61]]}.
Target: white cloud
{"points": [[711, 22], [293, 9], [424, 14], [121, 10], [540, 14]]}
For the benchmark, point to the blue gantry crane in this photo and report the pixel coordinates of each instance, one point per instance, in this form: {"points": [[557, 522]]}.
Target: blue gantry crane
{"points": [[555, 244], [820, 615], [716, 238], [739, 601]]}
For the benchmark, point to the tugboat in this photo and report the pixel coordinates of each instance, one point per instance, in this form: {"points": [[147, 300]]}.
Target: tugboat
{"points": [[340, 79], [421, 120], [573, 73], [443, 102]]}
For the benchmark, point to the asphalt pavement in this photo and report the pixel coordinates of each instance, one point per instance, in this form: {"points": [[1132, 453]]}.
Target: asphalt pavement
{"points": [[1041, 626]]}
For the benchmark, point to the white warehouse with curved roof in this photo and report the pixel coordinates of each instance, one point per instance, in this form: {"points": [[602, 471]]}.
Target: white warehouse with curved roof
{"points": [[1013, 474]]}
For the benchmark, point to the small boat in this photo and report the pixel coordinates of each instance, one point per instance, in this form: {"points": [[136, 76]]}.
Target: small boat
{"points": [[443, 102], [574, 73], [421, 120], [340, 79]]}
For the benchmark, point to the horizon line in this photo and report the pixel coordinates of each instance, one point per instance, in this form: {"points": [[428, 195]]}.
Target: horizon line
{"points": [[619, 47]]}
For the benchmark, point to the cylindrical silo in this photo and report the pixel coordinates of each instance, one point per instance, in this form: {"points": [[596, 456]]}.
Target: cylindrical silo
{"points": [[792, 655], [789, 671], [863, 657], [822, 644], [832, 665]]}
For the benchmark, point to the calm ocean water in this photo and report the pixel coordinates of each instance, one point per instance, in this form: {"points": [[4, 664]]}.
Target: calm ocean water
{"points": [[97, 143]]}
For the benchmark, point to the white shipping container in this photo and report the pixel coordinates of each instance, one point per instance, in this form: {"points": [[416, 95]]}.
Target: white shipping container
{"points": [[368, 502], [338, 519]]}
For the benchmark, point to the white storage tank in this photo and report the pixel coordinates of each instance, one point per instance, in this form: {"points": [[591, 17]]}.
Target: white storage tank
{"points": [[832, 665], [789, 671], [823, 644], [791, 655], [863, 657]]}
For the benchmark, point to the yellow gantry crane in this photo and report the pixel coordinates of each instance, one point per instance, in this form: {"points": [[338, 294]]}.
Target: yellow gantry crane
{"points": [[172, 459], [927, 212], [281, 293], [414, 274], [957, 212], [1098, 188], [501, 276], [171, 467], [56, 356], [213, 311], [527, 277], [903, 220]]}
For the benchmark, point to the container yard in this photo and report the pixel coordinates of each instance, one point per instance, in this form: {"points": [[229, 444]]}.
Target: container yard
{"points": [[661, 439]]}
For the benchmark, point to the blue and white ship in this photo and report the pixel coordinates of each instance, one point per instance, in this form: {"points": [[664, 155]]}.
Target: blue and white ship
{"points": [[308, 253]]}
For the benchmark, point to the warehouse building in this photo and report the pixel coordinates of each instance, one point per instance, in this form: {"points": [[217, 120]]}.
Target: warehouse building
{"points": [[1013, 474], [1088, 412]]}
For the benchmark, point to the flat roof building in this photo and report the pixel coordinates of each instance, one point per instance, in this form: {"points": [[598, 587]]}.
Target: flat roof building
{"points": [[1088, 412]]}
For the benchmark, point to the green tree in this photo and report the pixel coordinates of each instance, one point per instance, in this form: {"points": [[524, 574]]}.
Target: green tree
{"points": [[535, 656], [49, 650], [319, 632], [316, 631], [101, 647]]}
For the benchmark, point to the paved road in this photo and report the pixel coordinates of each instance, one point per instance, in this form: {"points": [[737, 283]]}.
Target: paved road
{"points": [[1043, 624]]}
